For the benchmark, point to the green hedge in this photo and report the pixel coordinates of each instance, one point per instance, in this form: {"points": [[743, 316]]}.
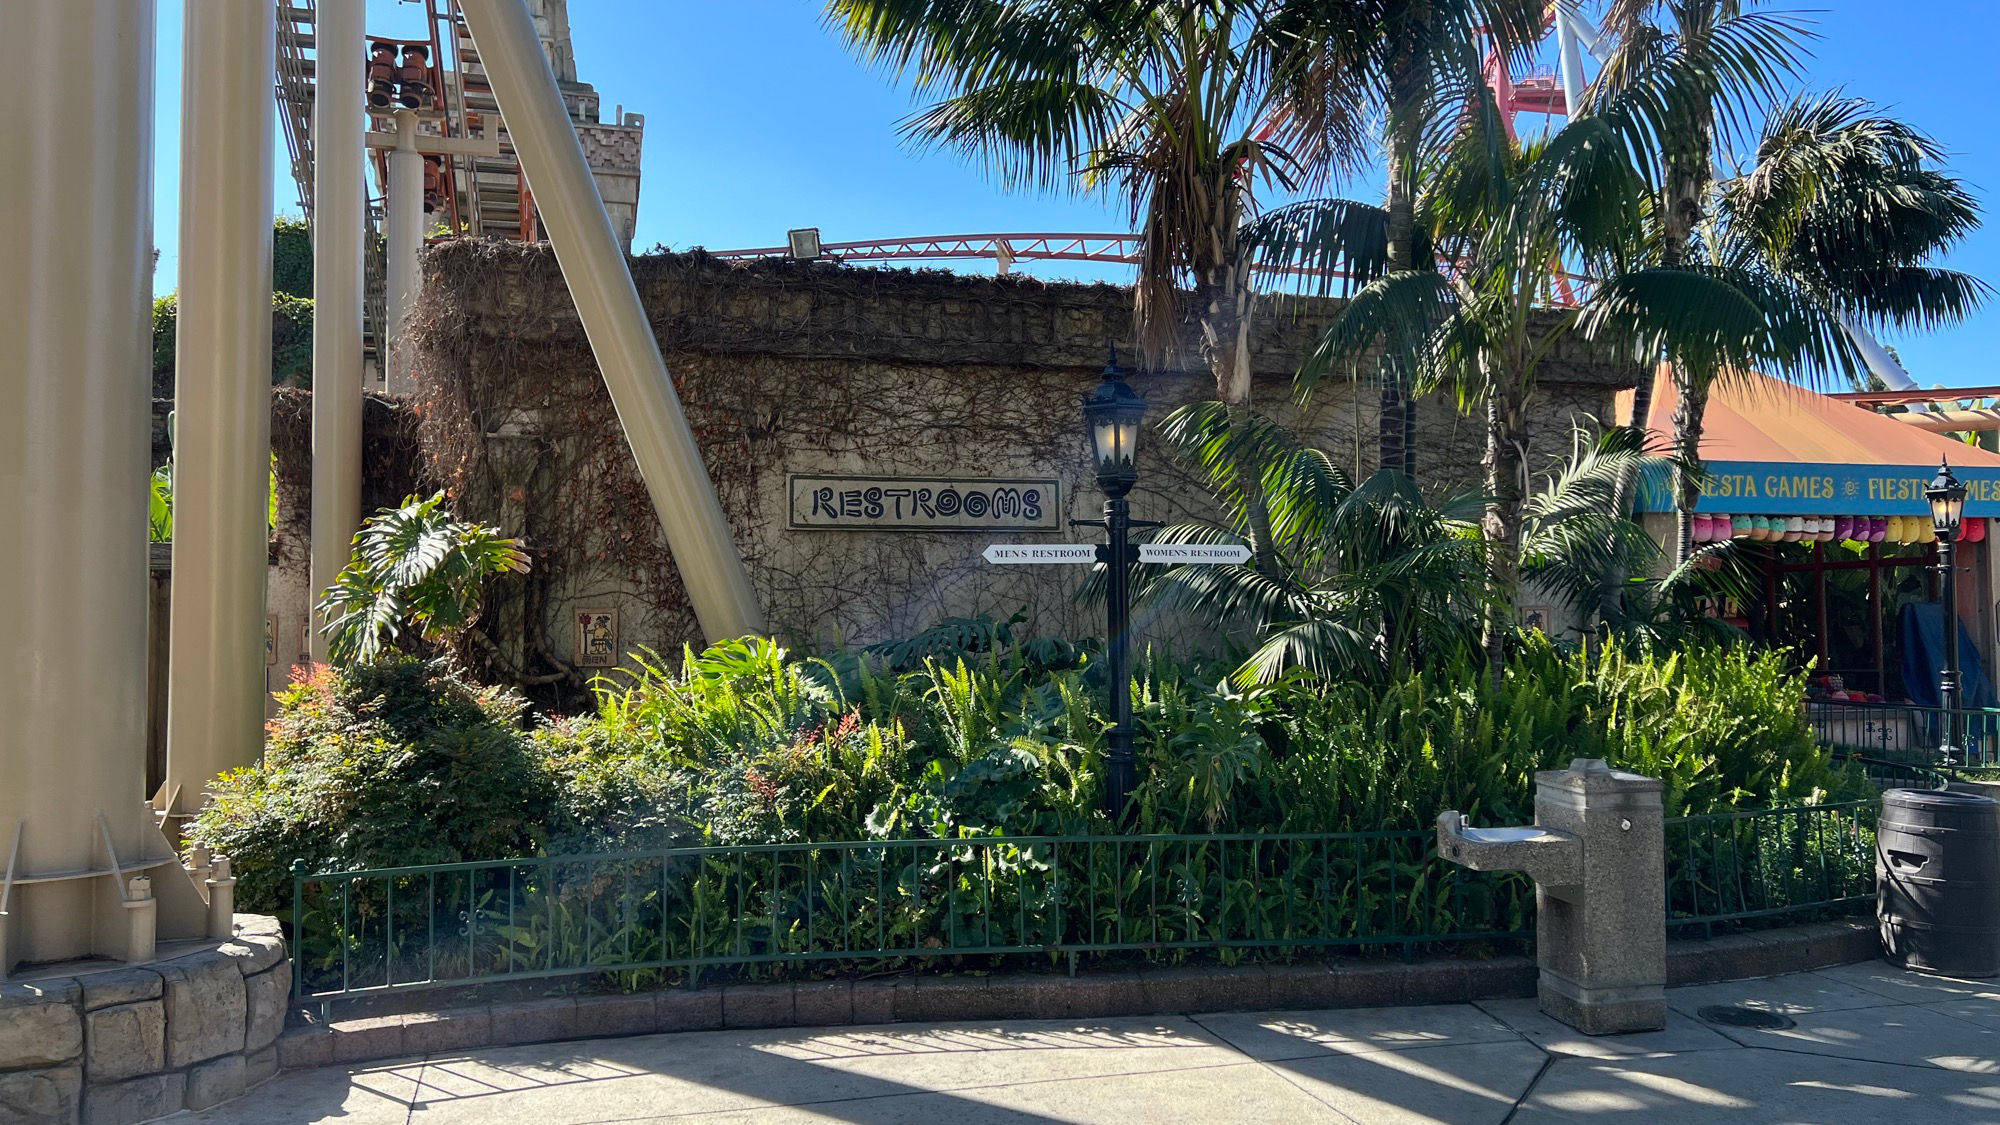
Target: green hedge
{"points": [[291, 342], [291, 313], [405, 762]]}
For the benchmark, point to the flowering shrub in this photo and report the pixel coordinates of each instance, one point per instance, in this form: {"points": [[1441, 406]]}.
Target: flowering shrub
{"points": [[380, 765]]}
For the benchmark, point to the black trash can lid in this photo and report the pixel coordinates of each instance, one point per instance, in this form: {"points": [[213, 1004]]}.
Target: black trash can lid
{"points": [[1934, 798]]}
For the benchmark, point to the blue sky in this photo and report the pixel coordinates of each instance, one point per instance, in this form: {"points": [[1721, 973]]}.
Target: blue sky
{"points": [[757, 120]]}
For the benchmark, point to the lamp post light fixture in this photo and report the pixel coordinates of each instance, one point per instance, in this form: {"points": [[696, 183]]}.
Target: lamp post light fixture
{"points": [[1111, 416], [1946, 494]]}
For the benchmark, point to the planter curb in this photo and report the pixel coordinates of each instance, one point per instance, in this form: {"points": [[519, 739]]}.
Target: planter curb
{"points": [[1005, 996]]}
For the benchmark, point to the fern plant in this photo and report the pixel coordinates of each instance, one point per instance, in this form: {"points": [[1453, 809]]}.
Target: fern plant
{"points": [[415, 565]]}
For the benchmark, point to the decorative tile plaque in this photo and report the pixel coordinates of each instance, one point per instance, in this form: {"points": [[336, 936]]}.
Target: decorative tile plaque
{"points": [[596, 638]]}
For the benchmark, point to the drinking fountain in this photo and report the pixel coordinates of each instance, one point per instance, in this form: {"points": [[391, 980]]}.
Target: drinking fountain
{"points": [[1597, 855]]}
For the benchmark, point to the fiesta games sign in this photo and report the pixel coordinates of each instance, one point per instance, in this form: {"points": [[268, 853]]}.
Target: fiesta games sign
{"points": [[1782, 488]]}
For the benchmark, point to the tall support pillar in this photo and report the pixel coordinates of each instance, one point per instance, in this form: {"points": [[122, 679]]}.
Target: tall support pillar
{"points": [[222, 393], [593, 265], [406, 241], [1569, 61], [338, 224], [76, 240]]}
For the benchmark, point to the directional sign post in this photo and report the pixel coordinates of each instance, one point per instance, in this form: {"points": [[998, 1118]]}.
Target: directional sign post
{"points": [[1198, 554], [1016, 553]]}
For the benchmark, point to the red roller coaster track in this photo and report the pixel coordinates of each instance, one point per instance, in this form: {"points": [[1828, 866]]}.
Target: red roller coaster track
{"points": [[1006, 249], [1003, 248], [1539, 92]]}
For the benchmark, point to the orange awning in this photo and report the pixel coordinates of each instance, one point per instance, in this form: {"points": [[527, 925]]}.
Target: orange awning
{"points": [[1774, 447]]}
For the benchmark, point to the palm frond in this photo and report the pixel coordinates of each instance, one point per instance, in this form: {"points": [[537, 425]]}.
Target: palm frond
{"points": [[1337, 243], [1850, 203], [1669, 90], [1401, 312], [1036, 132], [1326, 649], [1717, 319]]}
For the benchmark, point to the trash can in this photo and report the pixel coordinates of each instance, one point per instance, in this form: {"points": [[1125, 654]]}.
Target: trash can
{"points": [[1937, 874]]}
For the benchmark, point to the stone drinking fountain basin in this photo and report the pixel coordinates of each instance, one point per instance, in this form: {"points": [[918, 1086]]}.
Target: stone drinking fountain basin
{"points": [[1552, 859]]}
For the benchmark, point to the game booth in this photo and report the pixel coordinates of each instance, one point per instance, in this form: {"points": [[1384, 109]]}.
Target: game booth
{"points": [[1825, 502]]}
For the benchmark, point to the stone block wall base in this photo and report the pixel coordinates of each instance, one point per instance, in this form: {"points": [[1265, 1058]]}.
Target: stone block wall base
{"points": [[1603, 1011], [42, 1094], [135, 1100], [90, 1043]]}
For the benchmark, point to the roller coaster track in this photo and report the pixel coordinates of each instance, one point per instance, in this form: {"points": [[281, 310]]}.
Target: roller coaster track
{"points": [[1539, 92]]}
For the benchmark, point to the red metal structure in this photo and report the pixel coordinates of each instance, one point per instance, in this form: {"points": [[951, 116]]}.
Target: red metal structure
{"points": [[1540, 91], [1003, 248]]}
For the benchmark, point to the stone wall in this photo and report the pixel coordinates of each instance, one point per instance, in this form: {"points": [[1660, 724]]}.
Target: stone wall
{"points": [[131, 1043], [787, 367], [612, 150]]}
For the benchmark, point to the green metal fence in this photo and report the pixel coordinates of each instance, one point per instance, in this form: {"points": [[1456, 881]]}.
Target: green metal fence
{"points": [[1906, 733], [675, 912], [875, 903], [1769, 863]]}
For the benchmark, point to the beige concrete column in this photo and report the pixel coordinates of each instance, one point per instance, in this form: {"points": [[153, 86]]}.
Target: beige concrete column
{"points": [[406, 241], [717, 583], [76, 241], [338, 225], [222, 392]]}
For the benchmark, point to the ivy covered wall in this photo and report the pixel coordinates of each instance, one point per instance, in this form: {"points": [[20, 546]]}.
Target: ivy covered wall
{"points": [[814, 368]]}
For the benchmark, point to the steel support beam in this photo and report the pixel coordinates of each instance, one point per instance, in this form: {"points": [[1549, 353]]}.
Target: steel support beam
{"points": [[621, 337], [406, 241], [76, 242], [338, 224], [222, 399]]}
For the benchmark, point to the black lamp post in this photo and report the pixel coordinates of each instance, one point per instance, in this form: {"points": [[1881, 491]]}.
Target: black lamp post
{"points": [[1111, 416], [1946, 494]]}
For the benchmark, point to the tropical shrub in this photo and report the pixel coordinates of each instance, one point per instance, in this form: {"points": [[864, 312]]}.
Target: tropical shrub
{"points": [[769, 756], [922, 756], [399, 761], [385, 764], [160, 506], [416, 565], [160, 503], [1378, 578], [291, 341]]}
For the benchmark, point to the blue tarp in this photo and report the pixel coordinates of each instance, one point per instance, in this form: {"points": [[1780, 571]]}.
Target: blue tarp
{"points": [[1922, 627]]}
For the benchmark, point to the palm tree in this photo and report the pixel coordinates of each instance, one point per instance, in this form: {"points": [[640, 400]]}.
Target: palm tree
{"points": [[1180, 108], [1844, 207], [1756, 53], [1376, 576], [1379, 578], [1738, 60], [1580, 195], [1851, 205], [1424, 62], [1843, 203]]}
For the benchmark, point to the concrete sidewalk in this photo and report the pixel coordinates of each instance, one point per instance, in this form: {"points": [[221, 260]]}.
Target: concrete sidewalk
{"points": [[1866, 1043]]}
